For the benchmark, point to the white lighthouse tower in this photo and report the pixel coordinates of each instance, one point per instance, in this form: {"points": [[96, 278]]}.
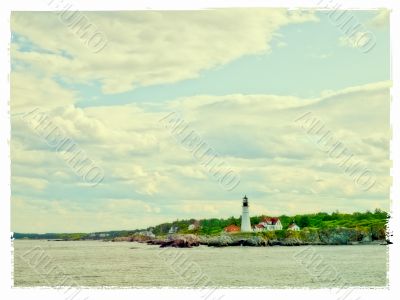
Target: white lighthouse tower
{"points": [[245, 226]]}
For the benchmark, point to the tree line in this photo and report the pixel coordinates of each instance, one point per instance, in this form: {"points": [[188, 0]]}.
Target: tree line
{"points": [[372, 221]]}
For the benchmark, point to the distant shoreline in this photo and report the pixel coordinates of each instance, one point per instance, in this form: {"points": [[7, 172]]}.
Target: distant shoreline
{"points": [[190, 241]]}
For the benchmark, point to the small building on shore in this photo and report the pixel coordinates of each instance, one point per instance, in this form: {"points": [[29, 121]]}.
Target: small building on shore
{"points": [[232, 228], [98, 235], [294, 227], [147, 233], [173, 229], [268, 224], [195, 225]]}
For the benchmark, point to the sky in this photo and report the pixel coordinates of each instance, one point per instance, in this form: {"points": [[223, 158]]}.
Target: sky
{"points": [[244, 81]]}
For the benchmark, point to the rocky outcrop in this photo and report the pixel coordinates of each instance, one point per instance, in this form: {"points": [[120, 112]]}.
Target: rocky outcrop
{"points": [[254, 241], [310, 236], [328, 236], [274, 243], [339, 236], [123, 239], [156, 242], [133, 238], [292, 242], [181, 241], [367, 238], [225, 240], [218, 241]]}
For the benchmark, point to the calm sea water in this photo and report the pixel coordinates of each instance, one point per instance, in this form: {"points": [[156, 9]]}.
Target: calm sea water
{"points": [[96, 263]]}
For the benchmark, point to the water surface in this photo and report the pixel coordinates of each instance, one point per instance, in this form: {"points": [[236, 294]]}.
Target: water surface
{"points": [[96, 263]]}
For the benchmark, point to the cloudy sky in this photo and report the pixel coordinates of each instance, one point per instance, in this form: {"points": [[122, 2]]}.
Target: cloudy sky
{"points": [[239, 79]]}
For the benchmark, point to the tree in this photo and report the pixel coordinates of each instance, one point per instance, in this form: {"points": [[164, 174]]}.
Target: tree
{"points": [[304, 221]]}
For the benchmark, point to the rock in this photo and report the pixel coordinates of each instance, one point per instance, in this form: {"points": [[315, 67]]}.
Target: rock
{"points": [[181, 241], [220, 241], [310, 236], [122, 239], [225, 240], [367, 238], [338, 236], [155, 242], [254, 241], [274, 243], [141, 238], [292, 242]]}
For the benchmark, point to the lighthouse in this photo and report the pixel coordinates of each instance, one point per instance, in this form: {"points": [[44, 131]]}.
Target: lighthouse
{"points": [[245, 226]]}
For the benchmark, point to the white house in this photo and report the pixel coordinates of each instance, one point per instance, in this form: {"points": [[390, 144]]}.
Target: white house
{"points": [[98, 235], [294, 227], [268, 224], [147, 233], [194, 226], [258, 228], [173, 229]]}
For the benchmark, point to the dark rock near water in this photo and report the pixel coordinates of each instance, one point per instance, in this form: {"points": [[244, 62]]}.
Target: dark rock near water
{"points": [[155, 242], [218, 241], [254, 241], [123, 239], [330, 236], [274, 243], [225, 240], [367, 238], [339, 236], [292, 242], [181, 241]]}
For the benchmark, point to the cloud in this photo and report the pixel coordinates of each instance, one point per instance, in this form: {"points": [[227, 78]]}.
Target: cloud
{"points": [[146, 48], [279, 166], [381, 19], [29, 183], [29, 92], [53, 215], [149, 177], [357, 40]]}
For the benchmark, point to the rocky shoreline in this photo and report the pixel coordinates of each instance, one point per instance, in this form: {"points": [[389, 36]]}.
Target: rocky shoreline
{"points": [[228, 240]]}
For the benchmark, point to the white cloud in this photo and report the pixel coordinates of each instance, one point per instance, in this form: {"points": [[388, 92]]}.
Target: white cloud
{"points": [[147, 48], [53, 215], [357, 40], [29, 92], [29, 183], [149, 176], [381, 19], [257, 136]]}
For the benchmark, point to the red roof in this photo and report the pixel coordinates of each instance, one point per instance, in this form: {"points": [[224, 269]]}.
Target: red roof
{"points": [[273, 221], [260, 226], [232, 228]]}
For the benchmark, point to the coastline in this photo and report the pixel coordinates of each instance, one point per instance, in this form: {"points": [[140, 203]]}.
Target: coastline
{"points": [[237, 240]]}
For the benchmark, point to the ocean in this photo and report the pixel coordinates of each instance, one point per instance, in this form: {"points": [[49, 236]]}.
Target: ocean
{"points": [[126, 264]]}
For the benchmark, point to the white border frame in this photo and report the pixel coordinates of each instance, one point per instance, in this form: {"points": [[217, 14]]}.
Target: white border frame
{"points": [[8, 292]]}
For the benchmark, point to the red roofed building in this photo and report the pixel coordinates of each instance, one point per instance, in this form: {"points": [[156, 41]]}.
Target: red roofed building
{"points": [[232, 228], [270, 221], [268, 224]]}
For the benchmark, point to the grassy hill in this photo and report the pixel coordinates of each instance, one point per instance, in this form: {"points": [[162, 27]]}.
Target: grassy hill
{"points": [[360, 220]]}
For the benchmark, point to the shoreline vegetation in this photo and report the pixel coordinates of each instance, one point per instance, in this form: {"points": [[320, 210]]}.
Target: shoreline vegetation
{"points": [[316, 229]]}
